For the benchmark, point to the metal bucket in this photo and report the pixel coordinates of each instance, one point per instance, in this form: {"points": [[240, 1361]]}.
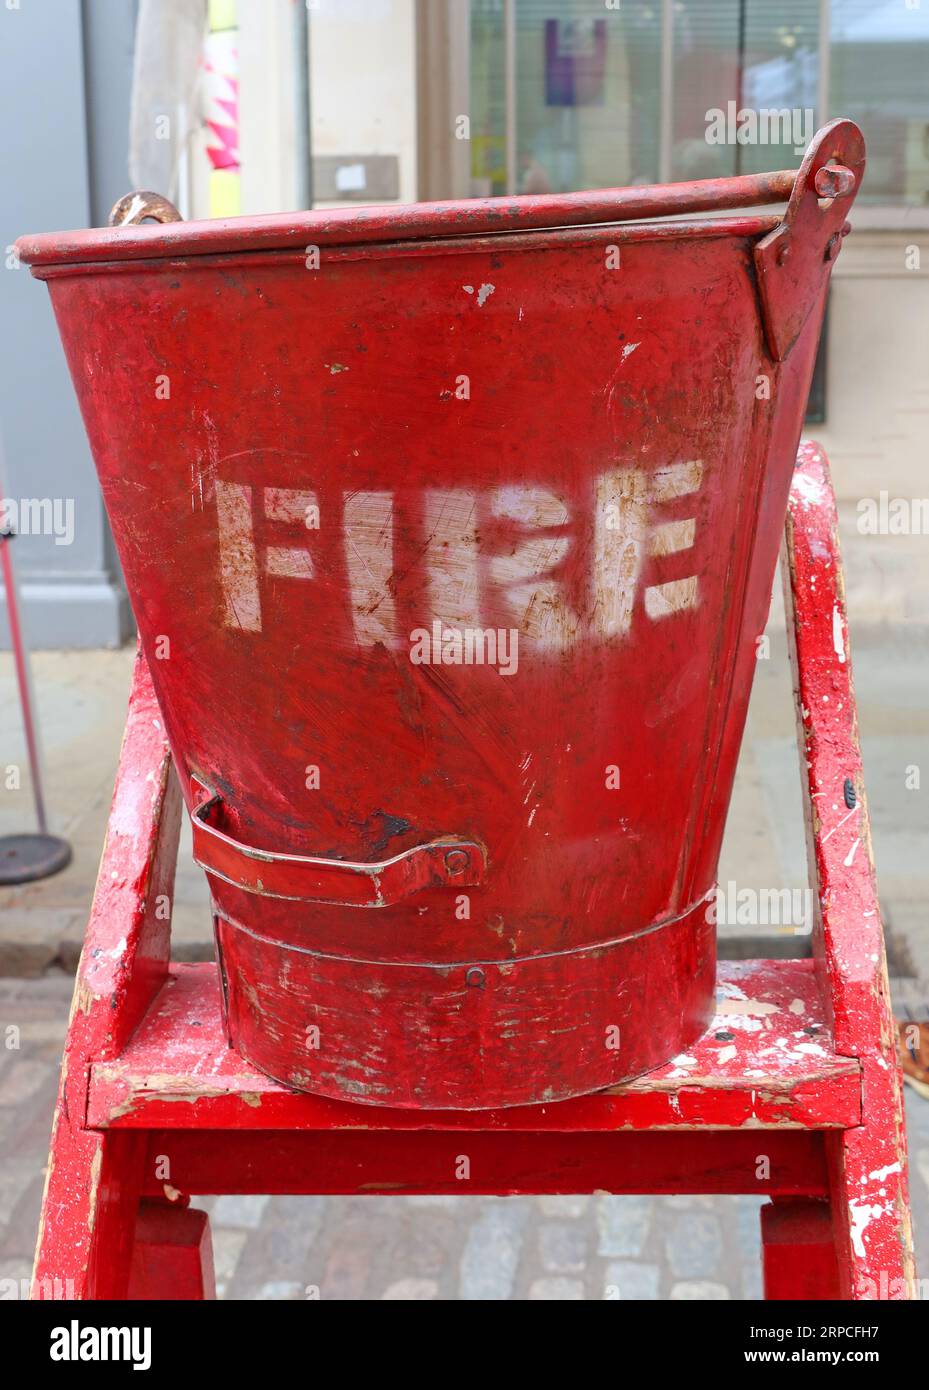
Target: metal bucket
{"points": [[450, 531]]}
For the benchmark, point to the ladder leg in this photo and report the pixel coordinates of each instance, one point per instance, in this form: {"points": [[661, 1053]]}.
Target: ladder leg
{"points": [[867, 1162], [89, 1211], [94, 1177], [173, 1254], [869, 1196], [799, 1250]]}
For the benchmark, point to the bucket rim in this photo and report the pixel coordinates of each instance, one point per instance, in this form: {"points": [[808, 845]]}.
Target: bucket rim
{"points": [[403, 222]]}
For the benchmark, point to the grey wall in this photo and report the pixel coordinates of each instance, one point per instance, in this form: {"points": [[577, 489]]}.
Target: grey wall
{"points": [[65, 79]]}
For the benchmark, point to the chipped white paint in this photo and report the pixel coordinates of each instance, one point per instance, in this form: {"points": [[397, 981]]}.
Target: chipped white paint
{"points": [[756, 1008], [676, 480], [880, 1174], [671, 536], [663, 600], [847, 861], [621, 519], [136, 204], [740, 1023], [862, 1214], [451, 555], [829, 834], [483, 294], [291, 507], [238, 560], [728, 989], [369, 551], [536, 604], [838, 635], [808, 489]]}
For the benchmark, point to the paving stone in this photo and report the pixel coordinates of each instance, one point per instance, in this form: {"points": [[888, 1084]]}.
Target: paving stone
{"points": [[348, 1266], [688, 1201], [412, 1290], [917, 1120], [22, 1079], [556, 1290], [623, 1224], [752, 1285], [558, 1204], [20, 1230], [16, 1174], [422, 1240], [699, 1289], [281, 1289], [23, 955], [629, 1279], [748, 1225], [920, 1162], [227, 1251], [290, 1226], [241, 1211], [563, 1247], [492, 1250], [694, 1245]]}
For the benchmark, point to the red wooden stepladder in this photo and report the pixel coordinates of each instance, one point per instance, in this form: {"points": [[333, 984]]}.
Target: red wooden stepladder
{"points": [[794, 1091]]}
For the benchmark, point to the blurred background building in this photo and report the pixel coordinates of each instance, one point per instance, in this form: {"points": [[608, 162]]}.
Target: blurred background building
{"points": [[269, 105]]}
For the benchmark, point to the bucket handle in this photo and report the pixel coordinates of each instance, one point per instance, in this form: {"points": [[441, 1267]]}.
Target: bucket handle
{"points": [[792, 263], [449, 861], [140, 206]]}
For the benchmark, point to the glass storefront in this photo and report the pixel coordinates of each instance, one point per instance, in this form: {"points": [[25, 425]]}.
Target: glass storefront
{"points": [[569, 94]]}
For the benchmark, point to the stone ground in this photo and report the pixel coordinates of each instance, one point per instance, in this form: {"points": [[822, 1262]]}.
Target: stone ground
{"points": [[459, 1247]]}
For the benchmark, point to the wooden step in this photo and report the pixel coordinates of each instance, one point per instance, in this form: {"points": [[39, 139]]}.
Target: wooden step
{"points": [[766, 1062]]}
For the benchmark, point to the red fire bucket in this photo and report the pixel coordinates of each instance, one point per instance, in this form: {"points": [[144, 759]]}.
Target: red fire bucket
{"points": [[450, 530]]}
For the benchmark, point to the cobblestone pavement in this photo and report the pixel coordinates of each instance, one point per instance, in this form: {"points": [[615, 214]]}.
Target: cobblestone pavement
{"points": [[550, 1248]]}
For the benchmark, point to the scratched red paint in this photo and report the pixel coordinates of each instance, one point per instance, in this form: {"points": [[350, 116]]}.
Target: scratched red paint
{"points": [[869, 1163], [146, 1072], [477, 418]]}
